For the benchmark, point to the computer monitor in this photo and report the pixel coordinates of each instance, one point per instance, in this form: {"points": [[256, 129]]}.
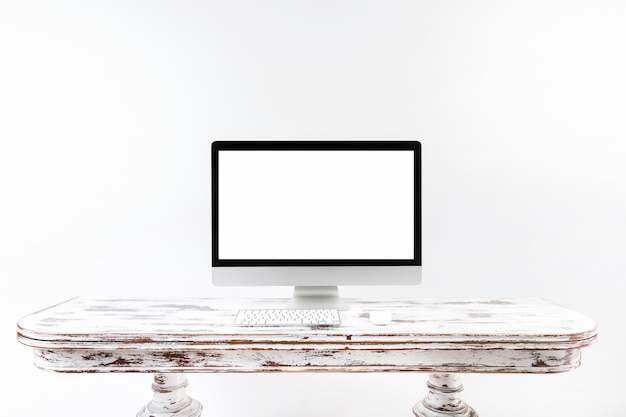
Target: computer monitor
{"points": [[316, 215]]}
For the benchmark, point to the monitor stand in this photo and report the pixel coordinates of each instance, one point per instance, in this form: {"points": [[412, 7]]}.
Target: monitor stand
{"points": [[305, 297]]}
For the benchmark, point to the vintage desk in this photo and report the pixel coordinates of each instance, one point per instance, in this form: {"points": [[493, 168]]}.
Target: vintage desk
{"points": [[170, 337]]}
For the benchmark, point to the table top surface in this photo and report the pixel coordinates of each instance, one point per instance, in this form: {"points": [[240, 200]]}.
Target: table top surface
{"points": [[82, 322]]}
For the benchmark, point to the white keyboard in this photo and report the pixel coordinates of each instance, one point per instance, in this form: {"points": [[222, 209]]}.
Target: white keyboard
{"points": [[287, 317]]}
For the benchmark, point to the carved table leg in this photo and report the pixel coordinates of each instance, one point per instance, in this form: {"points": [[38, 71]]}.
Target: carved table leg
{"points": [[442, 399], [170, 398]]}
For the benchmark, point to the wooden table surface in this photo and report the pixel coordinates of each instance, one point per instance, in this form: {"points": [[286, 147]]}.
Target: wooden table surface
{"points": [[198, 335]]}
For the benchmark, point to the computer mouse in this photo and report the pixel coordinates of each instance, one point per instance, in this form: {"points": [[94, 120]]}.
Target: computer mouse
{"points": [[380, 318]]}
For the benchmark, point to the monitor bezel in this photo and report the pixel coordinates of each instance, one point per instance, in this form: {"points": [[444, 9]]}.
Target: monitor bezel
{"points": [[218, 146]]}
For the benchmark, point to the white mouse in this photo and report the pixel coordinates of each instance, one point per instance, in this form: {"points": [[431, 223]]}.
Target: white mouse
{"points": [[380, 318]]}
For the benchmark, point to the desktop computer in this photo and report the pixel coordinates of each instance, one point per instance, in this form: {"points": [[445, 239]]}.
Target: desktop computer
{"points": [[316, 215]]}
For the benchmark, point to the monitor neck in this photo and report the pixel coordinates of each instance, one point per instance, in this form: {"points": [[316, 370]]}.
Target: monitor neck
{"points": [[317, 297]]}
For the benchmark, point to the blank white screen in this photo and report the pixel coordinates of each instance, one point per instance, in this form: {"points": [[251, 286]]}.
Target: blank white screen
{"points": [[316, 205]]}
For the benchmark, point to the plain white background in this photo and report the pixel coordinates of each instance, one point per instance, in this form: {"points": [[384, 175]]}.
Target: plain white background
{"points": [[107, 110]]}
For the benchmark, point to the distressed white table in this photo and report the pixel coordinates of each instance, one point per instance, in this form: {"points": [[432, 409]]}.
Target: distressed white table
{"points": [[170, 337]]}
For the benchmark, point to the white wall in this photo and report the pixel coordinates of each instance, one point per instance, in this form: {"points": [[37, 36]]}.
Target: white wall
{"points": [[108, 108]]}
